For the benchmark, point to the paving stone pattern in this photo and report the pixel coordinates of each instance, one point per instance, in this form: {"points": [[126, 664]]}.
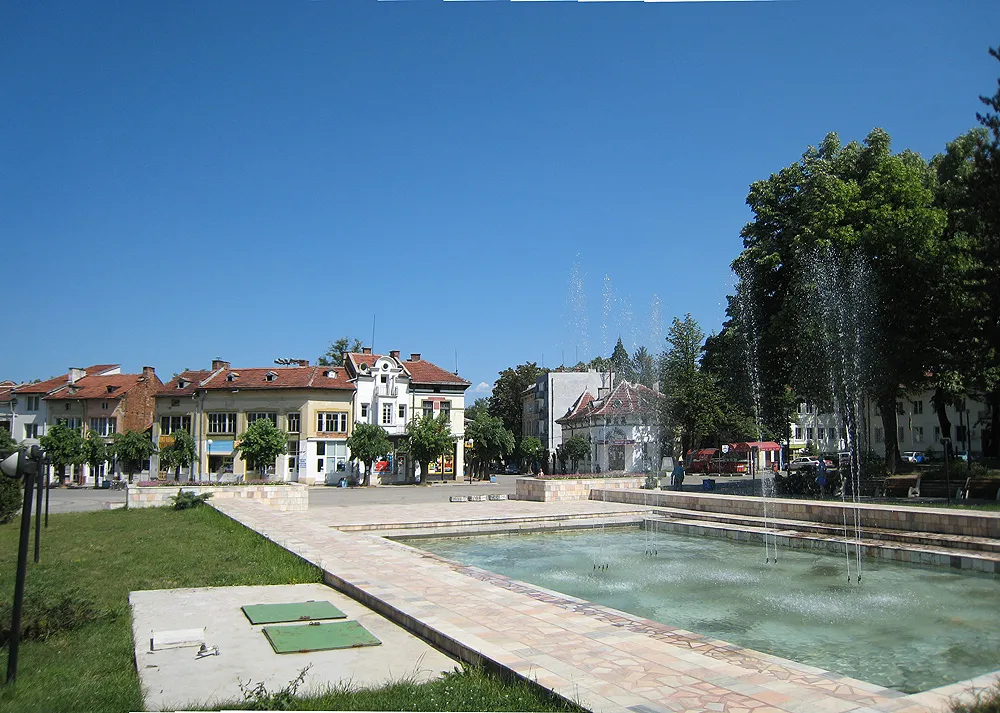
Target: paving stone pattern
{"points": [[606, 660]]}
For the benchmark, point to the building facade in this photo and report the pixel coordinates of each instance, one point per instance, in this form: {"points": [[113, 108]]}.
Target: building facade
{"points": [[29, 409], [551, 397]]}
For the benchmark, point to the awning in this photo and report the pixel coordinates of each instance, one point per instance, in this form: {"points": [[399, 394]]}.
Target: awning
{"points": [[758, 445]]}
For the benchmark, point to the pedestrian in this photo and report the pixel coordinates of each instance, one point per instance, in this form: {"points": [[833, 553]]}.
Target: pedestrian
{"points": [[821, 476], [677, 476]]}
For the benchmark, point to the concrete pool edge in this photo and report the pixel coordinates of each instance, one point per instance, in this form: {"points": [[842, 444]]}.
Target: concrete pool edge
{"points": [[392, 599]]}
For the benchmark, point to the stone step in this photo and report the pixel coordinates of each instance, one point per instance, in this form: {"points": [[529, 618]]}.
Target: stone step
{"points": [[465, 517], [917, 539]]}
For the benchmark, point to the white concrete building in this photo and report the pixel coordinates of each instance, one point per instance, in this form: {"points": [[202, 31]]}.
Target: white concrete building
{"points": [[550, 398]]}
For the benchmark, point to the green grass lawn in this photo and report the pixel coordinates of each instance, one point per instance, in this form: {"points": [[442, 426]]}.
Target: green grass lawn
{"points": [[78, 597]]}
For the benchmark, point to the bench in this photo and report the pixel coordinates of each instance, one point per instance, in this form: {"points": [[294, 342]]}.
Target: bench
{"points": [[982, 489], [902, 486], [938, 488]]}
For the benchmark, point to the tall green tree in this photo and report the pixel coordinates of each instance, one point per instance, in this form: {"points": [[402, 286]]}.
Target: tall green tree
{"points": [[428, 438], [95, 453], [505, 402], [480, 406], [575, 449], [64, 447], [367, 442], [334, 356], [179, 454], [491, 441], [644, 370], [621, 362], [533, 452], [692, 408], [132, 449], [985, 190], [261, 444]]}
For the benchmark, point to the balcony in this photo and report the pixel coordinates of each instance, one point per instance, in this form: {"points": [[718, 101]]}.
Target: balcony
{"points": [[386, 391]]}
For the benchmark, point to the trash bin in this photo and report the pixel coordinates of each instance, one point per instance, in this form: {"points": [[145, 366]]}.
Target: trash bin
{"points": [[106, 484], [708, 484], [342, 483], [493, 479]]}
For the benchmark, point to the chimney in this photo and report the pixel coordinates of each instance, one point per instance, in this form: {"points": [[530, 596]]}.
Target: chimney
{"points": [[302, 362], [149, 373], [219, 364], [394, 354], [75, 374], [414, 356], [366, 350]]}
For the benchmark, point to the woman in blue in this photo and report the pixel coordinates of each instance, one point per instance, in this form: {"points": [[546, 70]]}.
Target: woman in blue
{"points": [[677, 476]]}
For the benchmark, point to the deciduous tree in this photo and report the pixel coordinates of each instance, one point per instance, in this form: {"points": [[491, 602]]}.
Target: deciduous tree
{"points": [[335, 354], [491, 441], [505, 403], [179, 454], [64, 447], [95, 453], [576, 449], [132, 449], [367, 442], [261, 444], [428, 438], [692, 408]]}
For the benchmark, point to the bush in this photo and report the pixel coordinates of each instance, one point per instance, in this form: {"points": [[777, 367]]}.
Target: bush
{"points": [[47, 613], [11, 498], [803, 482], [987, 701], [187, 499]]}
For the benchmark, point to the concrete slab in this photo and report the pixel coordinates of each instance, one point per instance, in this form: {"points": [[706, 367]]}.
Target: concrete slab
{"points": [[175, 679]]}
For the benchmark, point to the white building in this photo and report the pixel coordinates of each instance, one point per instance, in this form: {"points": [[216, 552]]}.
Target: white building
{"points": [[550, 398], [29, 409]]}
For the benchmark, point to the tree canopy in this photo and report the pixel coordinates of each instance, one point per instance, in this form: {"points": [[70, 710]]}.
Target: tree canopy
{"points": [[428, 438], [179, 454], [334, 356], [95, 453], [261, 444], [132, 449], [575, 449], [693, 404], [367, 442], [491, 441], [64, 446], [505, 403]]}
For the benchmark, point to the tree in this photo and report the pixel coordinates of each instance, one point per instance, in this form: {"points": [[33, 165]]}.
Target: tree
{"points": [[644, 368], [490, 441], [179, 454], [692, 408], [428, 438], [576, 449], [533, 452], [132, 449], [335, 354], [505, 402], [261, 444], [481, 406], [11, 497], [64, 446], [367, 442], [95, 453], [621, 362]]}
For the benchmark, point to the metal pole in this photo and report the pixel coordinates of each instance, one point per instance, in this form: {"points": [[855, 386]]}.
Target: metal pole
{"points": [[22, 568], [47, 489], [38, 513]]}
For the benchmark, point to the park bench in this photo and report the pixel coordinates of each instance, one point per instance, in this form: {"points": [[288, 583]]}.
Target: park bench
{"points": [[902, 486], [938, 487], [982, 489]]}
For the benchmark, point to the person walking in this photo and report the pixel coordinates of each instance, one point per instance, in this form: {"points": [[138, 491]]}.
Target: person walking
{"points": [[677, 476]]}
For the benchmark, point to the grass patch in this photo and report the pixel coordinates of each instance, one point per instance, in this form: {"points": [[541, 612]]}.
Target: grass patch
{"points": [[77, 596], [469, 690]]}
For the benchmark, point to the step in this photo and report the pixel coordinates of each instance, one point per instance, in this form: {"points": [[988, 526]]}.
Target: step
{"points": [[458, 519], [916, 539]]}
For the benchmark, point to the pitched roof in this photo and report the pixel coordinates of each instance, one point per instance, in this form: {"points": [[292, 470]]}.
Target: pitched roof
{"points": [[420, 371], [290, 377], [6, 387], [44, 387], [113, 386], [625, 398], [581, 404]]}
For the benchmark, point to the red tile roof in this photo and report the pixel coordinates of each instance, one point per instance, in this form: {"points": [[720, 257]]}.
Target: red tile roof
{"points": [[581, 405], [98, 387], [424, 372], [6, 387], [292, 377], [44, 387], [625, 398]]}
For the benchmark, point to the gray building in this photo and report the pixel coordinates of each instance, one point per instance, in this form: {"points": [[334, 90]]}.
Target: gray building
{"points": [[551, 397]]}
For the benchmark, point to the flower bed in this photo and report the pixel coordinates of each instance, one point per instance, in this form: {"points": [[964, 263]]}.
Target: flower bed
{"points": [[283, 496], [203, 483], [590, 476]]}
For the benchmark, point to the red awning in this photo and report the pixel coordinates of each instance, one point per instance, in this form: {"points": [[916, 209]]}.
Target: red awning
{"points": [[759, 445]]}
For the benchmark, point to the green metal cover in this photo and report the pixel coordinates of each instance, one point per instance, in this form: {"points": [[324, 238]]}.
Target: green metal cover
{"points": [[292, 611], [319, 637]]}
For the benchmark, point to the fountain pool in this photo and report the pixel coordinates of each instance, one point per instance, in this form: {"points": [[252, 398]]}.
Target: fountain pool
{"points": [[906, 627]]}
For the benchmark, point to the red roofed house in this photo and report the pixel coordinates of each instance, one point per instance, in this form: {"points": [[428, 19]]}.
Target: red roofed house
{"points": [[391, 392], [312, 404], [620, 426], [6, 410], [107, 403]]}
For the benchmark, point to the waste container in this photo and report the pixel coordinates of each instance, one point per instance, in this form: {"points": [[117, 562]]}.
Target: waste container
{"points": [[493, 479], [106, 484], [708, 484], [342, 483]]}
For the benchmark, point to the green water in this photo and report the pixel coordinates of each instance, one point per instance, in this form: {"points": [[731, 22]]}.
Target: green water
{"points": [[905, 627]]}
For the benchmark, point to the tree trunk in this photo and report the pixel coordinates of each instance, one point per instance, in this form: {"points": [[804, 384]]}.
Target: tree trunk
{"points": [[368, 473], [991, 438], [940, 408], [887, 409]]}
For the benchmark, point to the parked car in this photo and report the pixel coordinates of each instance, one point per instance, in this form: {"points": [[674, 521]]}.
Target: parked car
{"points": [[803, 462], [914, 457], [512, 469]]}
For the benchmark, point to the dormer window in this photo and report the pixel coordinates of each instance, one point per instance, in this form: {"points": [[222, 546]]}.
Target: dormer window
{"points": [[112, 389], [331, 374], [232, 376], [270, 376], [181, 384]]}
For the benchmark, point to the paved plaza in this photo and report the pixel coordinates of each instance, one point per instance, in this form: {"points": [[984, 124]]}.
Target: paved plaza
{"points": [[608, 661]]}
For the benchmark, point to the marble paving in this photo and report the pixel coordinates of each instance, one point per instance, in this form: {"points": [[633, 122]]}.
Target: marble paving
{"points": [[605, 660]]}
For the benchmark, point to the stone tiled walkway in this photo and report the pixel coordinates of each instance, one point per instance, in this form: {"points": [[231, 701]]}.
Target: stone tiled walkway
{"points": [[608, 661]]}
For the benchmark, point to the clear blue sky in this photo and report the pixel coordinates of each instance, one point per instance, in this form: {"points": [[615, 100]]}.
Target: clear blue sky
{"points": [[250, 180]]}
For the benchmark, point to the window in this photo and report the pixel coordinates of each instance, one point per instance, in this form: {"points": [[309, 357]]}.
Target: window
{"points": [[292, 450], [169, 424], [402, 412], [918, 434], [383, 379], [878, 434], [68, 406], [270, 376], [364, 411], [321, 448], [103, 425], [73, 423], [901, 433], [428, 408], [809, 433], [293, 420], [918, 407], [820, 434], [31, 430], [798, 433], [104, 405], [386, 414], [331, 422], [255, 416], [222, 423], [31, 404]]}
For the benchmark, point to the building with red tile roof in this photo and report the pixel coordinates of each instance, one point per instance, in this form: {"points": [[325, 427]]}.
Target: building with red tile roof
{"points": [[313, 405]]}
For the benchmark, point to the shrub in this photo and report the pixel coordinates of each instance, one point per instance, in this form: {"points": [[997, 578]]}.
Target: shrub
{"points": [[48, 613], [803, 482], [11, 498], [188, 499], [987, 701]]}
